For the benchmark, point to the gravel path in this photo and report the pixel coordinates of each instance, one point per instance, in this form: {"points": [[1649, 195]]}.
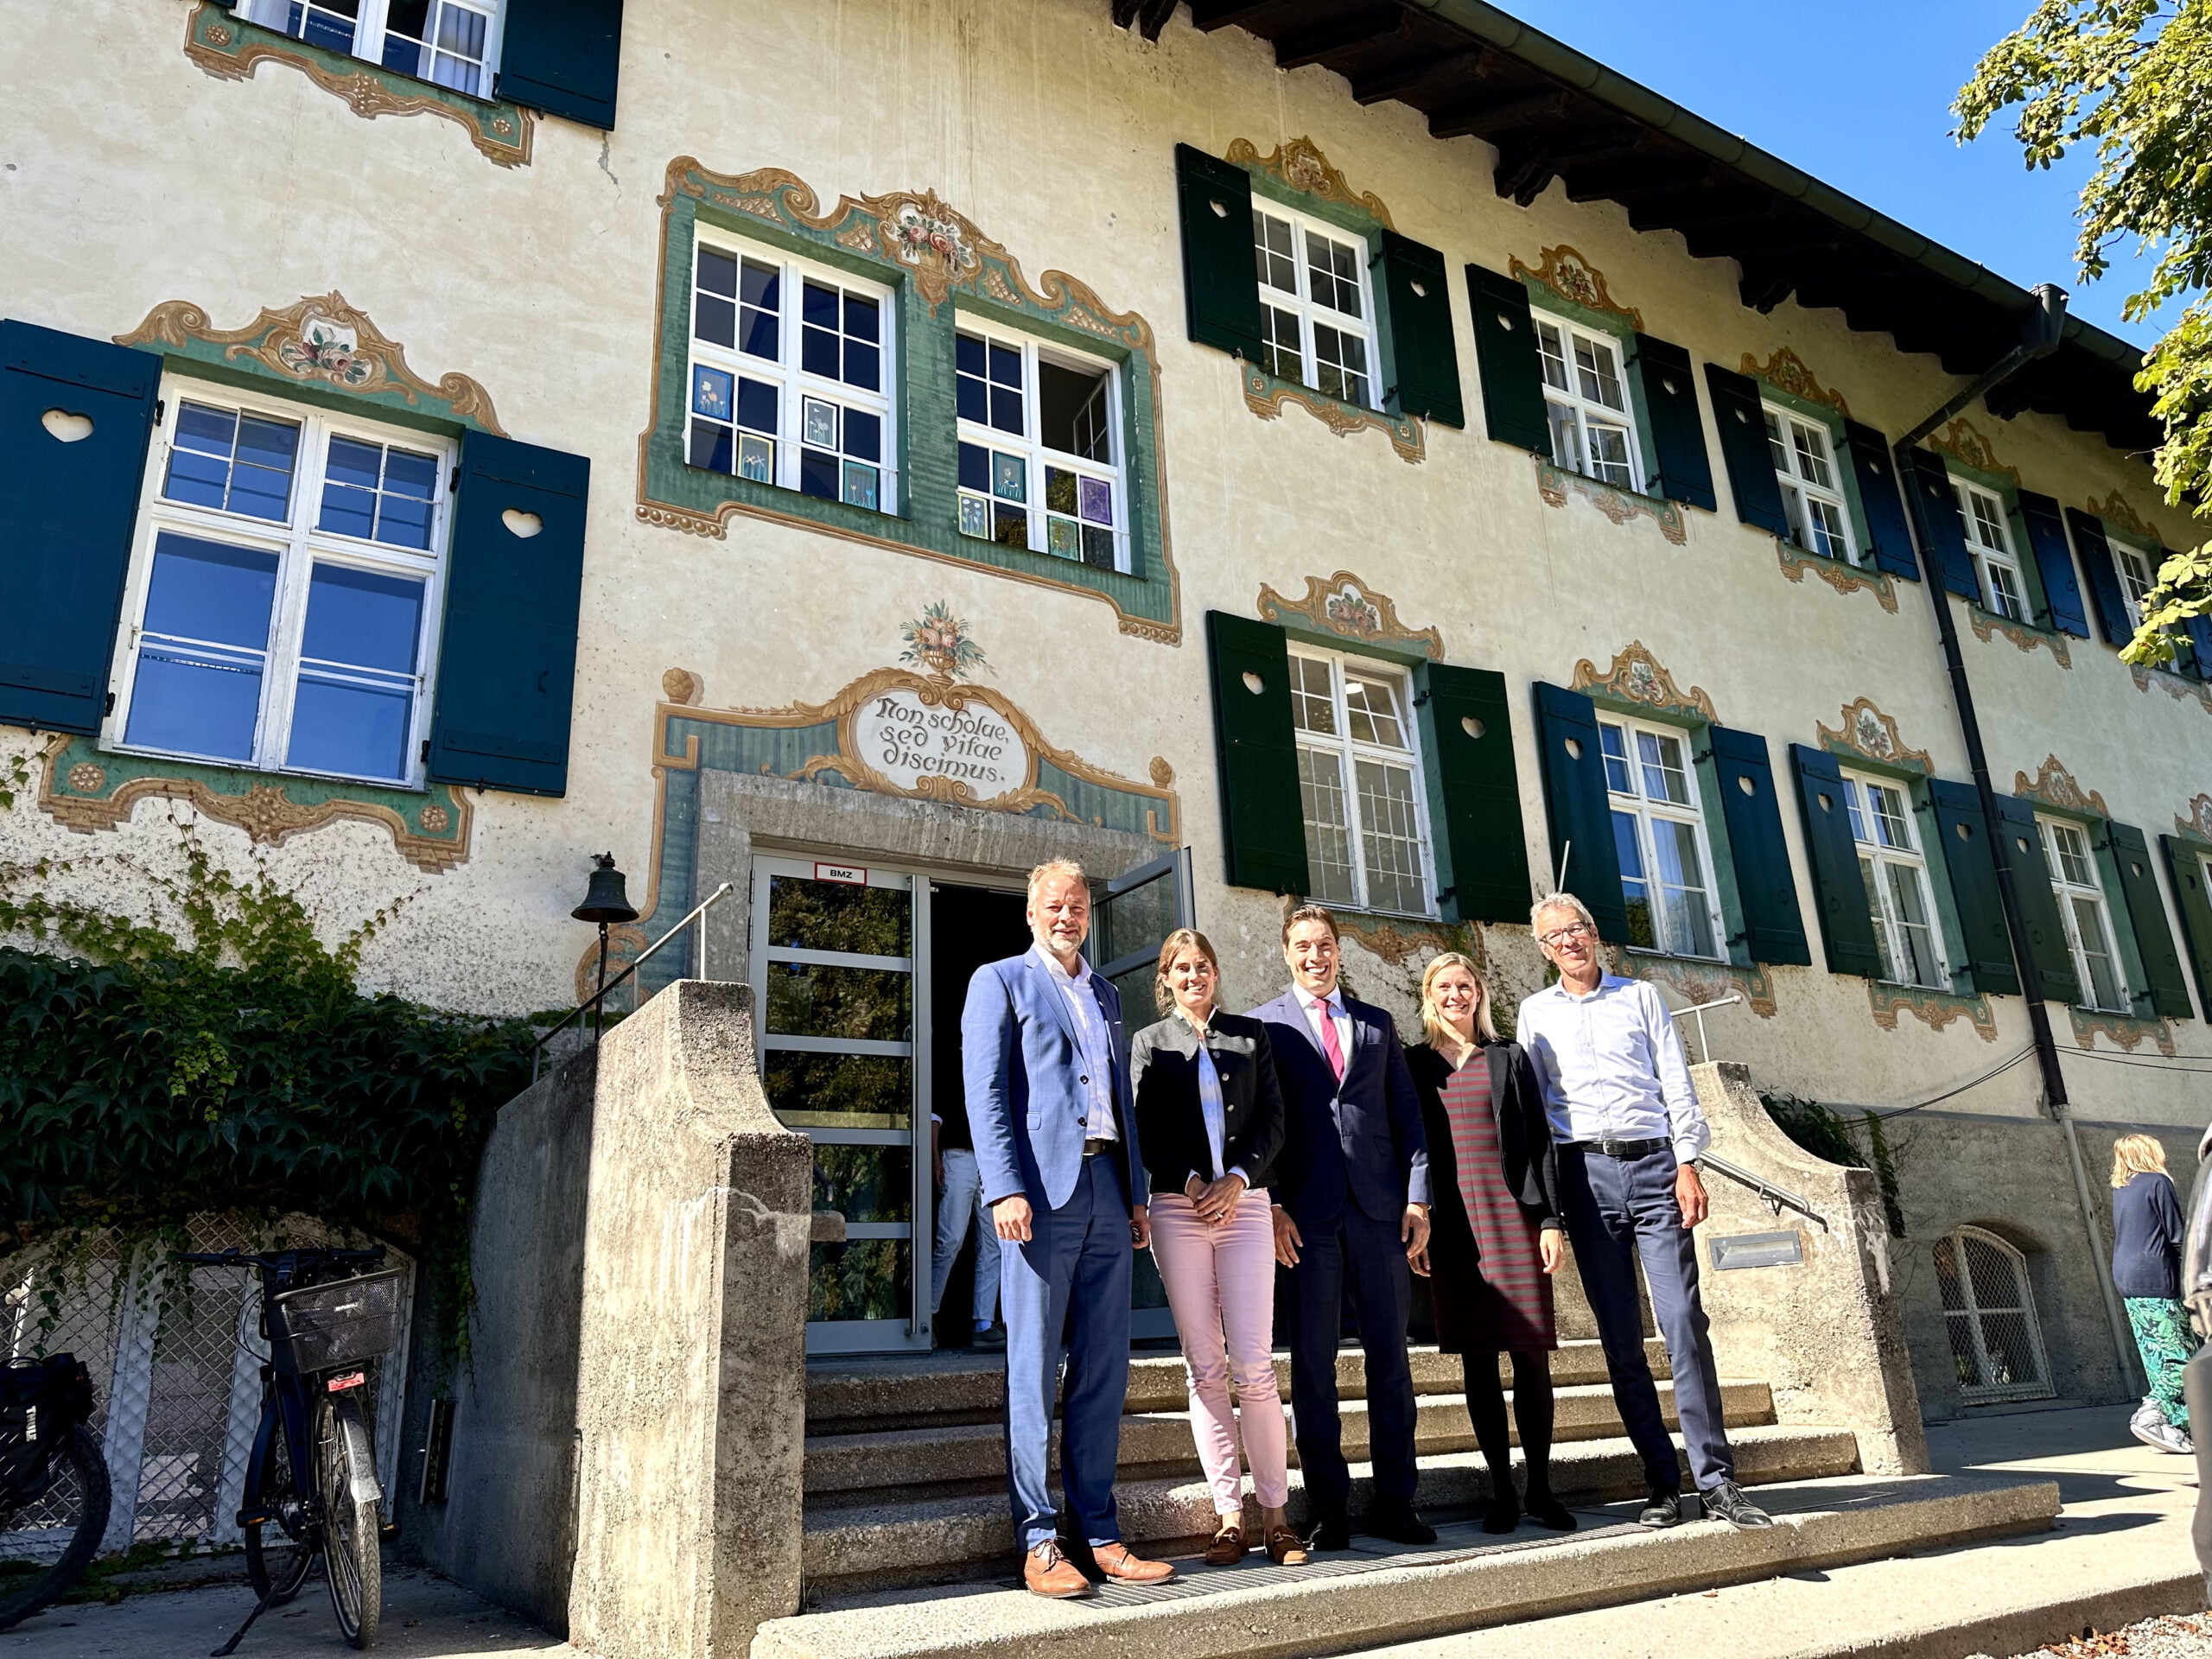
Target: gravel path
{"points": [[2172, 1637]]}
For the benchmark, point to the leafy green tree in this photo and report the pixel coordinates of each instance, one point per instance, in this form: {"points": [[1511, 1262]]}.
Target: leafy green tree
{"points": [[2133, 79]]}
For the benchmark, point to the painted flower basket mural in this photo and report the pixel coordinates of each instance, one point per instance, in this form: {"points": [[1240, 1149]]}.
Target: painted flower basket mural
{"points": [[939, 641], [322, 348]]}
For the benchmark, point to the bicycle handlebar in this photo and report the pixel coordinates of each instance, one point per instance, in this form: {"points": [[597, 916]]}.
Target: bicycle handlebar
{"points": [[248, 1258]]}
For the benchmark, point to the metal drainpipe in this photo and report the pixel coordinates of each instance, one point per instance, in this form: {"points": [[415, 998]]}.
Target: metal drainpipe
{"points": [[2040, 335]]}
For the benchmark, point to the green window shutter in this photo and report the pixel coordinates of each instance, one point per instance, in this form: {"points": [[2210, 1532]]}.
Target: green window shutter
{"points": [[2146, 914], [1262, 819], [1507, 363], [2016, 819], [2198, 628], [2105, 591], [563, 57], [1581, 816], [1742, 420], [1888, 530], [1221, 279], [1474, 793], [2186, 865], [1936, 511], [1846, 922], [507, 654], [1424, 356], [2055, 563], [1962, 835], [1774, 928], [68, 509], [1662, 373]]}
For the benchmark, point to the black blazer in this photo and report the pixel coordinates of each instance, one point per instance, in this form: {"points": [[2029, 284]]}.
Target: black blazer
{"points": [[1524, 1135], [1171, 1128]]}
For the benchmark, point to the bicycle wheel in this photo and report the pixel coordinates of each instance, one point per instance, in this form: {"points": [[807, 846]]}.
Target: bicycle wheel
{"points": [[279, 1550], [47, 1541], [346, 1485]]}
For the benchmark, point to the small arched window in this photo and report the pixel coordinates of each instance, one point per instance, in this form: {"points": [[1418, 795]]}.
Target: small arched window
{"points": [[1989, 1313]]}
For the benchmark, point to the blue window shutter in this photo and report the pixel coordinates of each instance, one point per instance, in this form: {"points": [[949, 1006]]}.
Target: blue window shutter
{"points": [[1581, 816], [1846, 921], [1221, 275], [1742, 420], [1662, 374], [1935, 510], [2186, 865], [1424, 356], [2016, 819], [1889, 531], [2198, 628], [1474, 793], [507, 655], [66, 513], [563, 57], [1256, 748], [1507, 363], [1962, 834], [2168, 991], [2105, 591], [1774, 928], [2055, 562]]}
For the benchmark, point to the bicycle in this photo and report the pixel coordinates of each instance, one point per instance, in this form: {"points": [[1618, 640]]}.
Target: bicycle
{"points": [[311, 1490], [53, 1483]]}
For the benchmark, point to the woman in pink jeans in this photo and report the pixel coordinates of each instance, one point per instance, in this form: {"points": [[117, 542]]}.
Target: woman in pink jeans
{"points": [[1210, 1119]]}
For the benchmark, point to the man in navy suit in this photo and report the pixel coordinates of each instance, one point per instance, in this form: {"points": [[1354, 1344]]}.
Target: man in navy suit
{"points": [[1046, 1064], [1351, 1208]]}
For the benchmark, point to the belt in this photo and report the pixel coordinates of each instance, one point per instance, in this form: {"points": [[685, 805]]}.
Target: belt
{"points": [[1620, 1149], [1092, 1148]]}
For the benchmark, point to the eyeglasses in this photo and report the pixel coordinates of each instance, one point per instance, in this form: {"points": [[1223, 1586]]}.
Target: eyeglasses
{"points": [[1579, 931]]}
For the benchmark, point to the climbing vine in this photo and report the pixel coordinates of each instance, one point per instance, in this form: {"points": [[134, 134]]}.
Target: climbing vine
{"points": [[1827, 1133]]}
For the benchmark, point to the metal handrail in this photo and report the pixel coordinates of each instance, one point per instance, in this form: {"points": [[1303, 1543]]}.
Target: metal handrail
{"points": [[1705, 1048], [538, 1049], [1778, 1197]]}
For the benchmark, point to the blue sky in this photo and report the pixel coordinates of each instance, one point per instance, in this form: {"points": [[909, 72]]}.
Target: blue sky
{"points": [[1859, 95]]}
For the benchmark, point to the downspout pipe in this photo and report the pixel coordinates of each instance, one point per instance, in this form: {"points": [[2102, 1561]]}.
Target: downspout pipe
{"points": [[2042, 328]]}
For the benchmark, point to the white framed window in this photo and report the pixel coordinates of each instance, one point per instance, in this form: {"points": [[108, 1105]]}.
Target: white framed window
{"points": [[2138, 576], [1894, 871], [791, 377], [453, 43], [1989, 1312], [1660, 838], [1812, 492], [2078, 886], [1989, 539], [285, 589], [1317, 307], [1585, 396], [1040, 447], [1359, 778]]}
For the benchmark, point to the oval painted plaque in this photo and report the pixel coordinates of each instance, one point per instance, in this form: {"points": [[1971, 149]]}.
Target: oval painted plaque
{"points": [[909, 740]]}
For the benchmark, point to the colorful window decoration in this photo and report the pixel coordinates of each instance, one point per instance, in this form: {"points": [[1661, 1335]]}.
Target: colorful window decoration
{"points": [[1039, 448]]}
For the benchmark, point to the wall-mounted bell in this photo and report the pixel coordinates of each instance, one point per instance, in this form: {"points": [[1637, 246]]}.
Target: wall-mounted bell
{"points": [[605, 901]]}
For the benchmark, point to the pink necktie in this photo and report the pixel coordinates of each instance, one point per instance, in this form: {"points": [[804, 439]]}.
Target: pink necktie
{"points": [[1329, 1044]]}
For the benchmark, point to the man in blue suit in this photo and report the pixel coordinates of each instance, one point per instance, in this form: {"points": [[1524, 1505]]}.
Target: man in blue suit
{"points": [[1045, 1063], [1351, 1208]]}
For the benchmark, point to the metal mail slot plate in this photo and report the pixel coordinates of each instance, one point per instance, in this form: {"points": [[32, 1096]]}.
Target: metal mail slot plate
{"points": [[1758, 1250]]}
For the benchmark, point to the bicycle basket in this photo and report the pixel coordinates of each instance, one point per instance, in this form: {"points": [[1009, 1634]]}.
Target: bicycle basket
{"points": [[345, 1323]]}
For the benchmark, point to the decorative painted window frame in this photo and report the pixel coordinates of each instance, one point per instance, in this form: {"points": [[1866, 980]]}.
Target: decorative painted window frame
{"points": [[924, 251], [1967, 456], [1298, 177], [2056, 793], [1785, 381], [322, 351], [230, 47]]}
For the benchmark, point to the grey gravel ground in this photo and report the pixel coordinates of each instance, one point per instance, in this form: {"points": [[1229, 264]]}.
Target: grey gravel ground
{"points": [[2171, 1637]]}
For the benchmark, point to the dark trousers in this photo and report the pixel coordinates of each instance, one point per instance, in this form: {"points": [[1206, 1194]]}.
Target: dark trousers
{"points": [[1616, 1211], [1362, 1258]]}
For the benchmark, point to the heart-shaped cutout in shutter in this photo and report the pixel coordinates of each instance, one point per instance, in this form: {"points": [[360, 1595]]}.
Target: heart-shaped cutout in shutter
{"points": [[1254, 684], [65, 428], [518, 523], [1472, 727]]}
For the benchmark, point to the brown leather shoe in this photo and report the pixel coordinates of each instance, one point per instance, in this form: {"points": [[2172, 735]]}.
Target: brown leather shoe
{"points": [[1116, 1561], [1046, 1571], [1287, 1547], [1227, 1546]]}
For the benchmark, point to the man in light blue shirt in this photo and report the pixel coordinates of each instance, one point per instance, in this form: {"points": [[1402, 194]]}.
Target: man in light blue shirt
{"points": [[1624, 1113]]}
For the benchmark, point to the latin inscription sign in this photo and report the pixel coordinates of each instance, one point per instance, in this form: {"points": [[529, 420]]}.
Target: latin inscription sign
{"points": [[907, 740], [1758, 1250]]}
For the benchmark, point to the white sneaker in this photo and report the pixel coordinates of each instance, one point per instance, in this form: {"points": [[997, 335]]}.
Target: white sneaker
{"points": [[2149, 1425]]}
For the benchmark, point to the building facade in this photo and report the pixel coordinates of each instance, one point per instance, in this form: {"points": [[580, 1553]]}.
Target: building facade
{"points": [[851, 452]]}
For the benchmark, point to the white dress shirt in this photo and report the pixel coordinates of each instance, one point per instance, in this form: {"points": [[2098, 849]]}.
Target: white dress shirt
{"points": [[1334, 1002], [1612, 1066], [1092, 1041]]}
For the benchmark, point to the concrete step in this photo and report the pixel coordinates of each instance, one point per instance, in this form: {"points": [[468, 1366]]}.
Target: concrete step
{"points": [[915, 1458], [873, 1538], [1378, 1593], [959, 1385]]}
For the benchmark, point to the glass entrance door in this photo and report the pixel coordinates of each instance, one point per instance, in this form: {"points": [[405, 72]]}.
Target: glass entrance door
{"points": [[834, 954]]}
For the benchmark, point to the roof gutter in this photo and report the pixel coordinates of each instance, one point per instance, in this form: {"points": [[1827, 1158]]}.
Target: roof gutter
{"points": [[1493, 28]]}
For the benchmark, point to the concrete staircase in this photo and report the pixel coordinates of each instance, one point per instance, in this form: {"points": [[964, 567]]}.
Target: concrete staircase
{"points": [[909, 1552]]}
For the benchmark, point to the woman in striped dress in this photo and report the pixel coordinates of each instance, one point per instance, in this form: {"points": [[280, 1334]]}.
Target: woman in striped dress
{"points": [[1496, 1238]]}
